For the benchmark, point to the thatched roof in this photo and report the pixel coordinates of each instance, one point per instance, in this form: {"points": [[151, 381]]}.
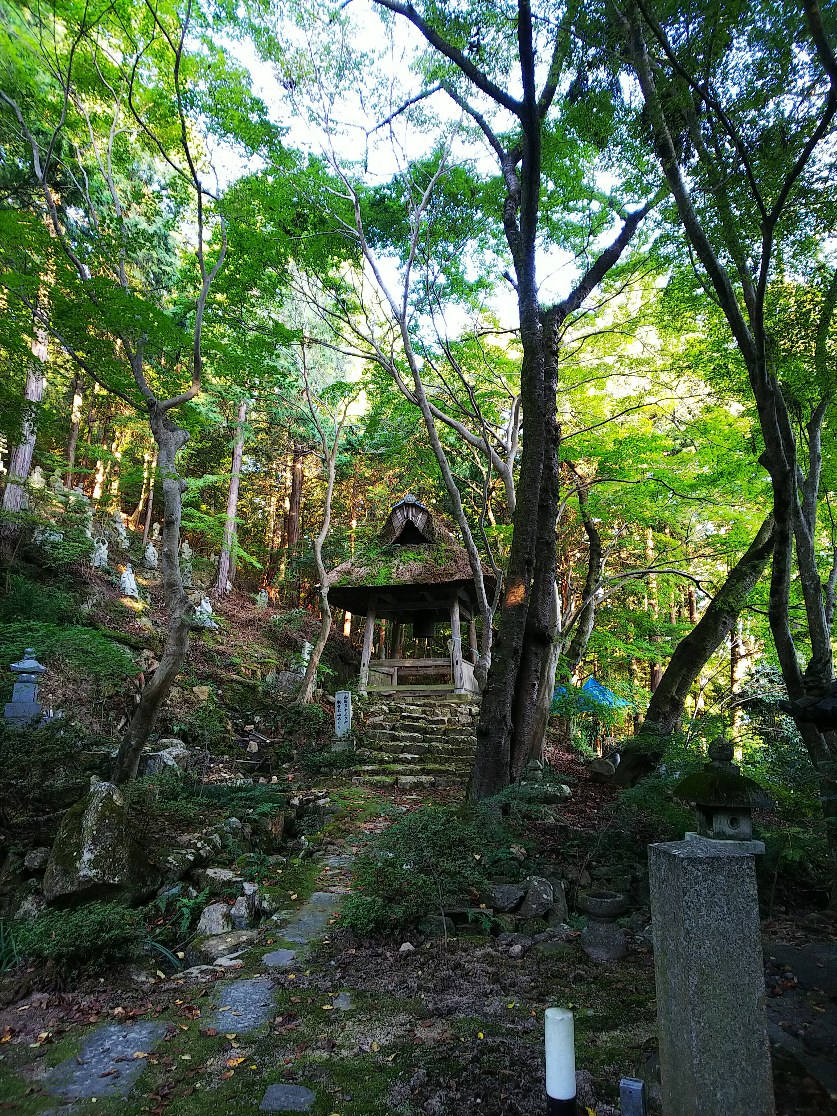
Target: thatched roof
{"points": [[416, 563]]}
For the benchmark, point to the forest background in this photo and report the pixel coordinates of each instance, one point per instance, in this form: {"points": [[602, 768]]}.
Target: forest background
{"points": [[566, 275]]}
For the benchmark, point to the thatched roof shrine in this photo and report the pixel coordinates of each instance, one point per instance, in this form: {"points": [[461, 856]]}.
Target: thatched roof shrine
{"points": [[416, 563]]}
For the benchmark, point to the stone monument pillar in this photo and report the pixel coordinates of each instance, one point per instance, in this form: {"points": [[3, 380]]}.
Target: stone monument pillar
{"points": [[714, 1050]]}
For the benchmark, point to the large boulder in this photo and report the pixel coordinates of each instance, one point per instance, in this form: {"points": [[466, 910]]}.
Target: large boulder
{"points": [[94, 855], [174, 757]]}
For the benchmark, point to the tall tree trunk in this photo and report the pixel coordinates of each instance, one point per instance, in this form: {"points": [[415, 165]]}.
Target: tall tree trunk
{"points": [[170, 439], [75, 424], [294, 500], [20, 461], [665, 710], [225, 558]]}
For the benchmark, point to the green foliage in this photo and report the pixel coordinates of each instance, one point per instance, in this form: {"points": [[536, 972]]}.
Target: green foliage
{"points": [[175, 800], [28, 600], [429, 858], [9, 951], [42, 772], [89, 937], [204, 727], [86, 653], [172, 917]]}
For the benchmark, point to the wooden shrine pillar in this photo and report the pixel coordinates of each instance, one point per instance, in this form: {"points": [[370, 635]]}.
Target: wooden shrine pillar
{"points": [[456, 649], [366, 654], [472, 640], [397, 639]]}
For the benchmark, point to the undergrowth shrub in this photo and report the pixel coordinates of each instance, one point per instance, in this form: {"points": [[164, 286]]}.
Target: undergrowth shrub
{"points": [[84, 651], [42, 773], [94, 935], [174, 800], [204, 727], [24, 599], [433, 857]]}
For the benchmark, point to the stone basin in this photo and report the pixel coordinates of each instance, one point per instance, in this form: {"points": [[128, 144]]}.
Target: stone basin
{"points": [[603, 904]]}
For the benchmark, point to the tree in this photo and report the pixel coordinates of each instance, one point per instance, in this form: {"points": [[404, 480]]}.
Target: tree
{"points": [[122, 146], [747, 152]]}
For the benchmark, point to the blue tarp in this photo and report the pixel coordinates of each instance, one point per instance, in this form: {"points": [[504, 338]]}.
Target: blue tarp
{"points": [[592, 697]]}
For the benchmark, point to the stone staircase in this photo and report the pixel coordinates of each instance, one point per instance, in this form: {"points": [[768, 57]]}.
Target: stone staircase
{"points": [[412, 739]]}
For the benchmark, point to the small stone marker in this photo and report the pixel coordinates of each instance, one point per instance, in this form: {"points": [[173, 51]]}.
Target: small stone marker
{"points": [[714, 1050], [287, 1098], [342, 713], [24, 706], [632, 1097]]}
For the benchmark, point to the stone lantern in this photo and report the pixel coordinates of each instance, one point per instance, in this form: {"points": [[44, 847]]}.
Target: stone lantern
{"points": [[24, 706], [723, 796]]}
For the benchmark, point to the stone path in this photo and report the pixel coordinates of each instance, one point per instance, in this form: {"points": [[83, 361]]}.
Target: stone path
{"points": [[106, 1065], [803, 1020], [245, 1005], [312, 919]]}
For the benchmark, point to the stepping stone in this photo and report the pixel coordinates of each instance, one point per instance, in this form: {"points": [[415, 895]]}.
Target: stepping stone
{"points": [[108, 1050], [338, 861], [311, 920], [342, 1001], [280, 958], [245, 1005], [287, 1098]]}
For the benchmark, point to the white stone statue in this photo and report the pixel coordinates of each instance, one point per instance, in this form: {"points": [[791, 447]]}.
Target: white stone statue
{"points": [[57, 484], [99, 557], [151, 557], [203, 615], [120, 529], [186, 563], [128, 583], [155, 531], [37, 478], [262, 599]]}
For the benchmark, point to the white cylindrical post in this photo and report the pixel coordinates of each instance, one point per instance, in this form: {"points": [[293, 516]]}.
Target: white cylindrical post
{"points": [[560, 1062]]}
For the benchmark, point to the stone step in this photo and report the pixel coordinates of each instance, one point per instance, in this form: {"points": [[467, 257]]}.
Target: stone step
{"points": [[401, 759]]}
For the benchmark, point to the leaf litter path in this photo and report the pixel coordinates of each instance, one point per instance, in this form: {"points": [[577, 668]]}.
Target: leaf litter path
{"points": [[113, 1056]]}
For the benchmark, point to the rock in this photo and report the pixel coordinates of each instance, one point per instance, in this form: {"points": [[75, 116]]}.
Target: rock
{"points": [[516, 951], [504, 897], [280, 958], [538, 898], [36, 860], [602, 769], [94, 855], [585, 1094], [604, 941], [30, 908], [201, 692], [406, 948], [232, 825], [287, 1098], [437, 926], [175, 758], [227, 945], [201, 973], [178, 863], [216, 919], [560, 911], [241, 913], [508, 941], [219, 880]]}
